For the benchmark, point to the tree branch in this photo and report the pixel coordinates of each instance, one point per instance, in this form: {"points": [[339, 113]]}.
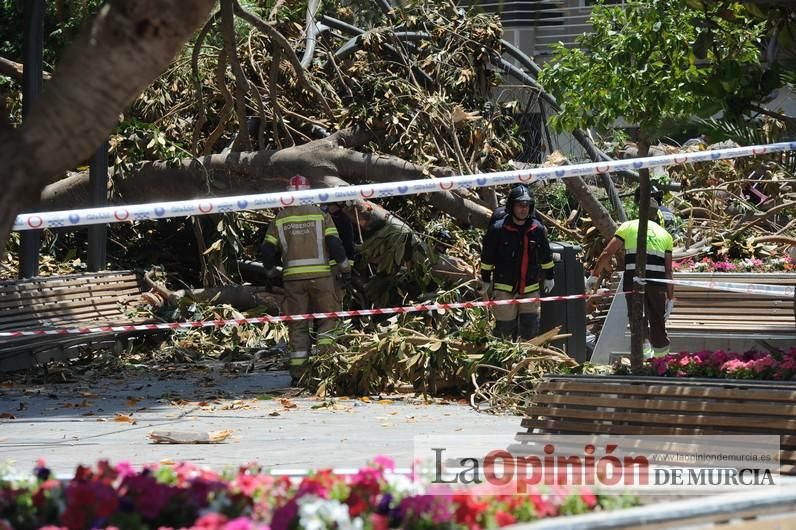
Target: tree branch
{"points": [[242, 141], [282, 42], [197, 83]]}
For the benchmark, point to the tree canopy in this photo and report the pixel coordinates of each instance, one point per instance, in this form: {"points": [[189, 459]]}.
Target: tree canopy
{"points": [[652, 62]]}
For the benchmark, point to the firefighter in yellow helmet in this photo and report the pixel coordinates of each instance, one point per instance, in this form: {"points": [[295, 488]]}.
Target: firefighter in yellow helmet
{"points": [[305, 239]]}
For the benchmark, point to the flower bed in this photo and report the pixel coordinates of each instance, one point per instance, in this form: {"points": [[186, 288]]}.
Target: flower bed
{"points": [[772, 264], [729, 365], [184, 496]]}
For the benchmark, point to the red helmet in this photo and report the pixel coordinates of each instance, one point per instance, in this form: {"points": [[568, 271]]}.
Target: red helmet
{"points": [[298, 183]]}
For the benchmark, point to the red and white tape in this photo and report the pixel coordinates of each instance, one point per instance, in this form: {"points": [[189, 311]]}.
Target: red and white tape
{"points": [[290, 318]]}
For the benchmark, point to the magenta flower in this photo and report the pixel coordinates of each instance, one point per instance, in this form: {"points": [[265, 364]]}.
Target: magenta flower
{"points": [[384, 462]]}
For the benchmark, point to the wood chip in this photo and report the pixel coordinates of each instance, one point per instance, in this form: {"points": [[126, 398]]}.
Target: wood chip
{"points": [[189, 437]]}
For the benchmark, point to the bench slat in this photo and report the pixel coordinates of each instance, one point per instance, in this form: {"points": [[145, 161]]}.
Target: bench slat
{"points": [[67, 314], [669, 405], [12, 300], [576, 427], [52, 282], [679, 390], [735, 422]]}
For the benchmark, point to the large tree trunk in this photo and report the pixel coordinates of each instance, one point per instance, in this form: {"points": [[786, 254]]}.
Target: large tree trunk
{"points": [[601, 218], [128, 44], [577, 187], [324, 162]]}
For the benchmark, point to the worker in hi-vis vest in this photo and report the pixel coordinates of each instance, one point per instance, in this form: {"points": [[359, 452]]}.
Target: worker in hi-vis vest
{"points": [[658, 297], [306, 240]]}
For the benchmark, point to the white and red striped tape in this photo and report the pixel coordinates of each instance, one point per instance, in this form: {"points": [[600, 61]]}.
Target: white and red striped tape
{"points": [[162, 210], [778, 291], [290, 318]]}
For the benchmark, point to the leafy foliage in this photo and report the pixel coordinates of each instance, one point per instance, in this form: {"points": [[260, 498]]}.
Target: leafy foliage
{"points": [[649, 62]]}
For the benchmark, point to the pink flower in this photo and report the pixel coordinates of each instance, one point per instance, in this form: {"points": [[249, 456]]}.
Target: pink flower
{"points": [[124, 469], [543, 507], [588, 496], [211, 521], [733, 365], [384, 462], [504, 518], [379, 522], [240, 523]]}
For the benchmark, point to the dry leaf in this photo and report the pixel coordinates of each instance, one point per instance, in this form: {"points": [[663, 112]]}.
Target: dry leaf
{"points": [[167, 462], [366, 399], [235, 405], [274, 413], [124, 418], [203, 404], [179, 402], [132, 402], [459, 115], [7, 416], [287, 403], [88, 394], [385, 402]]}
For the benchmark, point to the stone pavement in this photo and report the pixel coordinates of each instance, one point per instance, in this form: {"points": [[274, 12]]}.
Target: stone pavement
{"points": [[70, 424]]}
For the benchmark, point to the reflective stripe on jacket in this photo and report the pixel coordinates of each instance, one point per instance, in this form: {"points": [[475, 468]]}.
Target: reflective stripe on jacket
{"points": [[516, 256], [300, 233], [659, 242]]}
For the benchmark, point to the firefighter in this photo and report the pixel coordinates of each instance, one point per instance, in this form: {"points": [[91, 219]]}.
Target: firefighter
{"points": [[346, 233], [514, 256], [305, 239], [658, 297], [501, 211]]}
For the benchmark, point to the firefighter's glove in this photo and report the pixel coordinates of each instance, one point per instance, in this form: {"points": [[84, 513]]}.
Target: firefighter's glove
{"points": [[548, 285], [669, 308], [483, 289], [345, 279]]}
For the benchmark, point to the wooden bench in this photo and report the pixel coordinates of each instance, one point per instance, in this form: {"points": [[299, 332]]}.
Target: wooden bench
{"points": [[699, 312], [712, 319], [629, 405], [101, 298]]}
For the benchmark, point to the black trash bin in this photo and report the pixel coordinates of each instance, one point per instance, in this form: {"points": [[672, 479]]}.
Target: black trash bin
{"points": [[569, 314]]}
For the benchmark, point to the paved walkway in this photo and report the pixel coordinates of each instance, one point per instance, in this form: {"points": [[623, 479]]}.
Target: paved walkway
{"points": [[69, 424]]}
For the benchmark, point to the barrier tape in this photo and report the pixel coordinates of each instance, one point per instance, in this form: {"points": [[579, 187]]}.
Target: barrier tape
{"points": [[291, 318], [778, 291], [775, 291], [141, 212]]}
